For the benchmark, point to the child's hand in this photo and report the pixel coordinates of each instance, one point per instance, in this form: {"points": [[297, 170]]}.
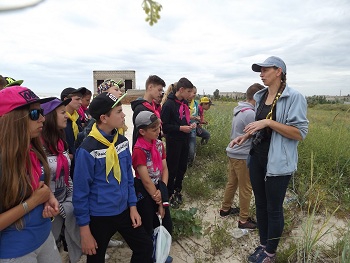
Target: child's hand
{"points": [[185, 128], [51, 207], [88, 242], [135, 217], [161, 211], [40, 195], [157, 197]]}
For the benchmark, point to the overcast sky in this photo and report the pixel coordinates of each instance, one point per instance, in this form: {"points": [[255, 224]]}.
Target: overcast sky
{"points": [[59, 43]]}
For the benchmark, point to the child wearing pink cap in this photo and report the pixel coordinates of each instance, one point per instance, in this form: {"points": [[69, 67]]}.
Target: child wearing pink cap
{"points": [[26, 203]]}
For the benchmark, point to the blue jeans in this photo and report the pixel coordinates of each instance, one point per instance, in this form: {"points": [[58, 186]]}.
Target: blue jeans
{"points": [[192, 147], [204, 134], [269, 192]]}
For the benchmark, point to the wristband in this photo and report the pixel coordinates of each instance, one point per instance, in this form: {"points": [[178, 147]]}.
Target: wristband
{"points": [[25, 207]]}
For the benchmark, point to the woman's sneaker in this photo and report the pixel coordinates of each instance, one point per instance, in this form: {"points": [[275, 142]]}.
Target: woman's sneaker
{"points": [[231, 211], [264, 258], [256, 254]]}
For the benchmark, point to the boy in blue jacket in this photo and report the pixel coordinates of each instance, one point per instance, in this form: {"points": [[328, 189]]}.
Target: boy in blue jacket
{"points": [[104, 197]]}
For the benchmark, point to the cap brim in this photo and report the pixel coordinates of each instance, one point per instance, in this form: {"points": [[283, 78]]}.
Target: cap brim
{"points": [[52, 105], [65, 102], [118, 100], [43, 100], [257, 66], [15, 83]]}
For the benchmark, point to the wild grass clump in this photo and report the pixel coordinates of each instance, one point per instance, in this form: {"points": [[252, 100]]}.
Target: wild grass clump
{"points": [[220, 238], [185, 223], [327, 149]]}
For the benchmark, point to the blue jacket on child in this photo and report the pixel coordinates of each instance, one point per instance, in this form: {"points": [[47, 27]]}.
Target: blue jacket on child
{"points": [[92, 194]]}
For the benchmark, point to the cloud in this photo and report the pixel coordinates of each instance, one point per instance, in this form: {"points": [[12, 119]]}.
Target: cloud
{"points": [[60, 43]]}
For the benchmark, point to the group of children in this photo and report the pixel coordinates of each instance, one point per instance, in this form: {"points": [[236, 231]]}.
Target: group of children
{"points": [[61, 167], [67, 170]]}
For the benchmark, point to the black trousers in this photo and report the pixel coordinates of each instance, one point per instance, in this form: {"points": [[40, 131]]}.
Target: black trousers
{"points": [[269, 192], [147, 209], [176, 158], [104, 227]]}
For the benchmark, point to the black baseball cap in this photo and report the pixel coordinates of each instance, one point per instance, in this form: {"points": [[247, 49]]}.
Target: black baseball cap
{"points": [[103, 103], [68, 91]]}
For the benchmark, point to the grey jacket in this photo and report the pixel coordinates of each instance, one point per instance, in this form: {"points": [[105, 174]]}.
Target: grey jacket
{"points": [[243, 114], [291, 109]]}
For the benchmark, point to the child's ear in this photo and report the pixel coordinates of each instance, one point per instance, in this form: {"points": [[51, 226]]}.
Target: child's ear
{"points": [[142, 132], [103, 118]]}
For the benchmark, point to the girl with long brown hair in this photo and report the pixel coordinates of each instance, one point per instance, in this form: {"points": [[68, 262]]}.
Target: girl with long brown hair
{"points": [[56, 149], [26, 203]]}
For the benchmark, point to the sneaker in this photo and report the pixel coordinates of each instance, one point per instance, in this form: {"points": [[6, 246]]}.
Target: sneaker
{"points": [[169, 259], [107, 256], [264, 258], [114, 243], [249, 224], [231, 211], [178, 197], [173, 202], [256, 254]]}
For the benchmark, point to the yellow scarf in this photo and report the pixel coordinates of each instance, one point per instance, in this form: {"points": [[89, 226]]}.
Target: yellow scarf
{"points": [[191, 106], [121, 131], [74, 117], [112, 160]]}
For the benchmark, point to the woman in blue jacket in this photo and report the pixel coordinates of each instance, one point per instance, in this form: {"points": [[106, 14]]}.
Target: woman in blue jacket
{"points": [[280, 124]]}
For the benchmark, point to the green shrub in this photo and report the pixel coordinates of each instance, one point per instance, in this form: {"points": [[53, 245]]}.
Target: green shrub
{"points": [[185, 223]]}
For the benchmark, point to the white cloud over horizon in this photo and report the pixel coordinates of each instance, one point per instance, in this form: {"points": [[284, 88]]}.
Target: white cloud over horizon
{"points": [[59, 43]]}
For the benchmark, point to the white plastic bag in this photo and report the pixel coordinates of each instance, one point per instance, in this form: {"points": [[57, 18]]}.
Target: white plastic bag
{"points": [[161, 243]]}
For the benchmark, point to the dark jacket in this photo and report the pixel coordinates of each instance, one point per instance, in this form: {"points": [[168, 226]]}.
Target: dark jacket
{"points": [[137, 106], [171, 121], [70, 139]]}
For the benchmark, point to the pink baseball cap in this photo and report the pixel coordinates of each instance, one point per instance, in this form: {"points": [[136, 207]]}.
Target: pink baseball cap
{"points": [[17, 96]]}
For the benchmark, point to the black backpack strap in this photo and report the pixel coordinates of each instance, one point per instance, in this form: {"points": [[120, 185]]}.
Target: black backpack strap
{"points": [[242, 110]]}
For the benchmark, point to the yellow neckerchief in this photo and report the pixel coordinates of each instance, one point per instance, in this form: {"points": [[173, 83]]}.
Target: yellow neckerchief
{"points": [[121, 131], [191, 106], [74, 117], [112, 160]]}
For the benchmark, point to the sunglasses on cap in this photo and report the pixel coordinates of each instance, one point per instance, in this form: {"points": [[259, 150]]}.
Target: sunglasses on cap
{"points": [[34, 114]]}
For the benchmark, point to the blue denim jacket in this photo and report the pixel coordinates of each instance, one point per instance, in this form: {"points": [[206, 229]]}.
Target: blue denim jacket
{"points": [[291, 109]]}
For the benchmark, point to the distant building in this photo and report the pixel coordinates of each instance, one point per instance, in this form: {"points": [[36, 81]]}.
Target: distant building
{"points": [[232, 94], [128, 75]]}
